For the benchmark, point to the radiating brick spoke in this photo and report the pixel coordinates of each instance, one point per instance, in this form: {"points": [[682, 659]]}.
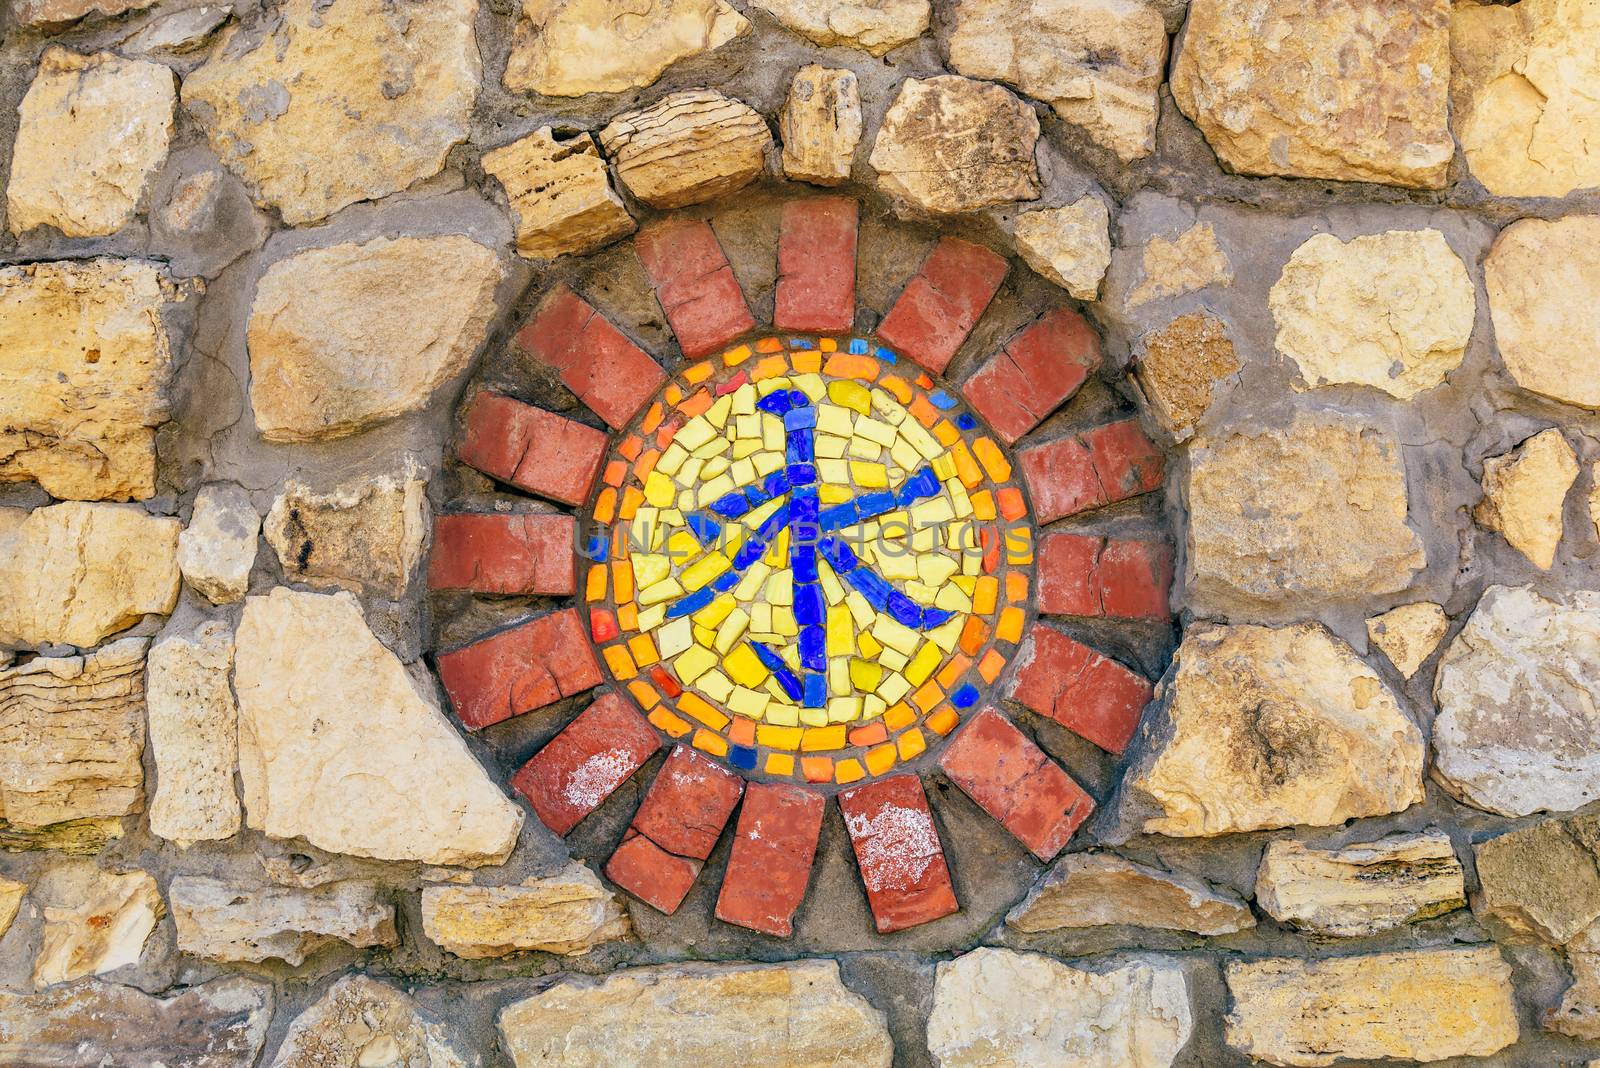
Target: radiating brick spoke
{"points": [[1090, 575], [770, 867], [518, 670], [1034, 373], [531, 449], [1078, 688], [1092, 469], [489, 552], [943, 302], [898, 851], [675, 829], [817, 266], [609, 373], [580, 767], [695, 285]]}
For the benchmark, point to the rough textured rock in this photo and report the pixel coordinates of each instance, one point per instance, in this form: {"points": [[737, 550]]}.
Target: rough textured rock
{"points": [[779, 1014], [1098, 63], [1426, 1005], [331, 104], [11, 893], [365, 536], [999, 1007], [1578, 1015], [1514, 734], [1071, 246], [218, 548], [181, 32], [220, 1024], [93, 130], [94, 921], [360, 1023], [1392, 311], [341, 745], [568, 913], [1180, 368], [1185, 264], [1290, 87], [1408, 635], [1523, 95], [55, 14], [950, 145], [76, 573], [687, 147], [351, 335], [1262, 727], [1362, 888], [222, 922], [1541, 880], [574, 47], [74, 838], [1542, 278], [1093, 889], [1525, 492], [821, 125], [81, 427], [560, 193], [873, 25], [194, 731], [1316, 509], [71, 735]]}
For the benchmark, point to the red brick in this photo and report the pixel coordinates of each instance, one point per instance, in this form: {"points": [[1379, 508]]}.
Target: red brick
{"points": [[1080, 689], [943, 302], [580, 767], [817, 266], [688, 804], [1098, 467], [1066, 574], [518, 670], [1087, 575], [651, 874], [1127, 462], [489, 552], [1014, 781], [897, 849], [609, 373], [773, 847], [1034, 374], [532, 449], [694, 283]]}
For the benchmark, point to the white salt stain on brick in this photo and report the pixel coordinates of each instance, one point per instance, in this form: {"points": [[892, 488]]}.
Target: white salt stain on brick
{"points": [[593, 780], [895, 848]]}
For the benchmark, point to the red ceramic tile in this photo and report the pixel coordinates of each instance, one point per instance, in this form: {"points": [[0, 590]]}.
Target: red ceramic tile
{"points": [[943, 302], [1098, 467], [1127, 461], [1087, 575], [609, 373], [817, 266], [1014, 781], [487, 552], [688, 804], [532, 449], [1078, 688], [519, 670], [1034, 374], [898, 852], [773, 847], [1066, 575], [580, 767], [694, 283], [651, 874]]}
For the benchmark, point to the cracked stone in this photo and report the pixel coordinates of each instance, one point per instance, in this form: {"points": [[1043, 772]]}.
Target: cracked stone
{"points": [[560, 193], [687, 147], [1525, 492], [1363, 888]]}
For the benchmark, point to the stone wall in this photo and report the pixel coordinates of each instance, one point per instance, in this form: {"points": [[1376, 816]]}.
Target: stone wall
{"points": [[412, 653]]}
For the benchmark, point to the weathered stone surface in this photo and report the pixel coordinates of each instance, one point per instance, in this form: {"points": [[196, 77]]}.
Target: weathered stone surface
{"points": [[194, 730], [1316, 509], [1093, 889], [1180, 368], [218, 548], [1098, 63], [75, 573], [1187, 263], [1363, 888], [366, 536], [950, 145], [1392, 311], [351, 335], [360, 1023], [92, 131], [821, 125], [183, 31], [1000, 1007], [560, 193], [778, 1014], [1541, 880], [73, 838], [82, 427], [1408, 635], [568, 913], [1291, 87], [1524, 493], [1523, 97], [1578, 1015], [223, 922], [55, 14], [11, 893], [574, 47], [1514, 734], [1071, 246], [1426, 1005], [221, 1024], [341, 745], [71, 734], [337, 103], [687, 147], [873, 25], [1262, 727], [1542, 277], [94, 921]]}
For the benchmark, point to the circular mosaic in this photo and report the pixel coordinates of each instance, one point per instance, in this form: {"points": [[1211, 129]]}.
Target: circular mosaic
{"points": [[808, 561]]}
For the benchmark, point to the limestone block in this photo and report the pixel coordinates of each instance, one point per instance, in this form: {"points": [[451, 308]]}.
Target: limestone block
{"points": [[194, 731], [1070, 246], [1180, 367], [94, 921], [1409, 634], [224, 922], [1578, 1015], [364, 536], [1093, 889], [1541, 879], [1543, 279], [567, 913], [1525, 492], [50, 15], [687, 147], [875, 26], [181, 32], [360, 1023], [217, 550], [821, 125], [11, 894], [1190, 262], [560, 193], [1363, 888]]}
